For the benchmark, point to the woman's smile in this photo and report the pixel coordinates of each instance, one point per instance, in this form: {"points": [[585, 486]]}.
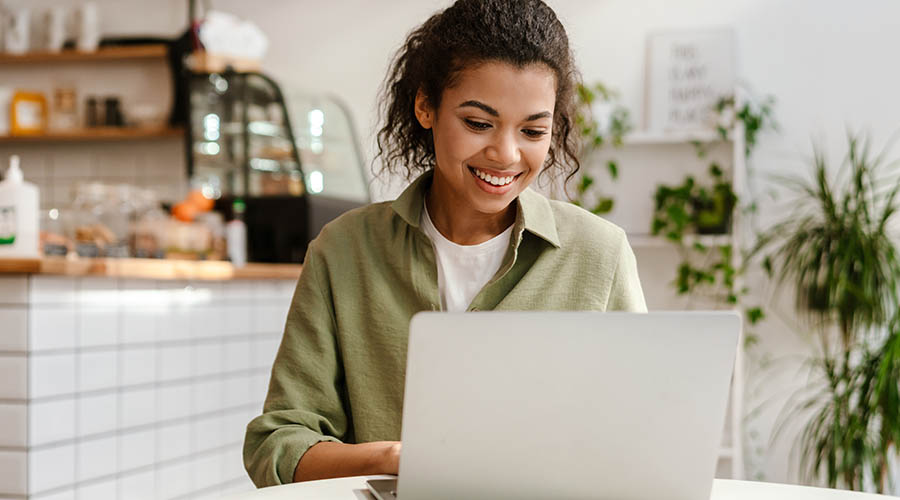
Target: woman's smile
{"points": [[493, 181]]}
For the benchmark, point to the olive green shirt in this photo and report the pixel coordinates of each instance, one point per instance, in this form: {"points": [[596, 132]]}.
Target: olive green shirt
{"points": [[339, 373]]}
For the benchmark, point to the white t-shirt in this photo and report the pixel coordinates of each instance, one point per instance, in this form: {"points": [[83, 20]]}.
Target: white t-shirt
{"points": [[463, 270]]}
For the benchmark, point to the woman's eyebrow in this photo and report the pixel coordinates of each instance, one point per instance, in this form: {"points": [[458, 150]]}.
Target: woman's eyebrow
{"points": [[493, 112], [536, 116], [482, 106]]}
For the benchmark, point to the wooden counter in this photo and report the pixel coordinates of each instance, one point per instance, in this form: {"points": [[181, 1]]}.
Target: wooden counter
{"points": [[158, 269]]}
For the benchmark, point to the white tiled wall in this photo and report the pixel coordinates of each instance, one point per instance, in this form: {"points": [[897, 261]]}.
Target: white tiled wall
{"points": [[13, 376], [51, 421], [131, 389], [14, 321], [13, 384], [13, 425], [55, 168], [14, 472]]}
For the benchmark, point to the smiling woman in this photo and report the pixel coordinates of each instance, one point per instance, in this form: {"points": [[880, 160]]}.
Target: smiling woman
{"points": [[477, 103], [491, 138]]}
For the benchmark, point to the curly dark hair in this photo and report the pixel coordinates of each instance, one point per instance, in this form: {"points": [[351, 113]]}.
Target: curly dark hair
{"points": [[471, 32]]}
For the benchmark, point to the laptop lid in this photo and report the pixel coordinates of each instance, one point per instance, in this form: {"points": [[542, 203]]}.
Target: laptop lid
{"points": [[624, 406]]}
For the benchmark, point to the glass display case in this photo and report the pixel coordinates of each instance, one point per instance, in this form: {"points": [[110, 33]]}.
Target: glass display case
{"points": [[247, 139], [241, 141], [329, 146], [295, 163]]}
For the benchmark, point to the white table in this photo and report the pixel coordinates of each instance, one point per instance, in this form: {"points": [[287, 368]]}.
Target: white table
{"points": [[723, 489]]}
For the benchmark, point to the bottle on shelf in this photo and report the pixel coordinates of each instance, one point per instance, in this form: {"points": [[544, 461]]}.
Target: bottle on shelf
{"points": [[19, 217], [236, 235], [28, 113]]}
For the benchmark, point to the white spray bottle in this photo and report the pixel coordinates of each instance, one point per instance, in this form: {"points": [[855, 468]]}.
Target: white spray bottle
{"points": [[19, 219]]}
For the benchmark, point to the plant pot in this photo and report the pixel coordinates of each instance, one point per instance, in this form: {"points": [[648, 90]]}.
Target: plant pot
{"points": [[713, 215]]}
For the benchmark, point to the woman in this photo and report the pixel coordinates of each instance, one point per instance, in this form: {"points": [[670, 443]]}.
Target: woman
{"points": [[478, 101]]}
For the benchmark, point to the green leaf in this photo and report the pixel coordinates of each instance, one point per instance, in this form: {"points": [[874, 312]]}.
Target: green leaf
{"points": [[755, 315], [681, 281], [586, 182], [613, 169], [723, 132], [750, 340], [767, 265], [585, 94], [604, 206]]}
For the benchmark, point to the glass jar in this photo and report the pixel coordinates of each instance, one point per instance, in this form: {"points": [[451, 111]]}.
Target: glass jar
{"points": [[54, 232], [88, 234], [150, 223], [117, 216]]}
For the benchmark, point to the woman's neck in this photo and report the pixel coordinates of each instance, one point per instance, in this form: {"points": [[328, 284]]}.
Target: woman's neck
{"points": [[458, 221]]}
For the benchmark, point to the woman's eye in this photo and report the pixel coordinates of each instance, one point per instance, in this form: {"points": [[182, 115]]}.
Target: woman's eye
{"points": [[477, 125], [534, 133]]}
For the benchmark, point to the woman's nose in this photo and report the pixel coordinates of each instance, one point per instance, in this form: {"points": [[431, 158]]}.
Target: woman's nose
{"points": [[503, 150]]}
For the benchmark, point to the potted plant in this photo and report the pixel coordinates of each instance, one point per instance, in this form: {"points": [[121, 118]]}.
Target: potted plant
{"points": [[694, 208], [713, 210], [835, 252]]}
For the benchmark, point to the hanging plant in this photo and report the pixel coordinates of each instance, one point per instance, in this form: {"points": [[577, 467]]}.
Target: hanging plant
{"points": [[755, 116], [706, 207], [598, 132]]}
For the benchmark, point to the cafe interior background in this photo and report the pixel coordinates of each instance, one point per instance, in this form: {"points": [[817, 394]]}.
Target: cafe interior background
{"points": [[132, 354]]}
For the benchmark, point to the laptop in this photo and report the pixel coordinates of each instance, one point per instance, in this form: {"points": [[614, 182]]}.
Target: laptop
{"points": [[564, 405]]}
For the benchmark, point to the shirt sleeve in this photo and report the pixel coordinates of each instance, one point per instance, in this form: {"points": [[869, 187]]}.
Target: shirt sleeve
{"points": [[626, 293], [304, 405]]}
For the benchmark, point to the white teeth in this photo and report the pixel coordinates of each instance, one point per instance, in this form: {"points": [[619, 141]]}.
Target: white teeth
{"points": [[496, 181]]}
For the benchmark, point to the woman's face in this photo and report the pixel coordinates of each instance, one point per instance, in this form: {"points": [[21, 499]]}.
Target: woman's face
{"points": [[492, 132]]}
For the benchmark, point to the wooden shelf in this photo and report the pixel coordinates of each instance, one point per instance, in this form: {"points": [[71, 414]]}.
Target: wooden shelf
{"points": [[98, 134], [112, 53], [205, 62]]}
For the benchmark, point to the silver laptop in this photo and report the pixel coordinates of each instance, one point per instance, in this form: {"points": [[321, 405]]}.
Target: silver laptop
{"points": [[564, 405]]}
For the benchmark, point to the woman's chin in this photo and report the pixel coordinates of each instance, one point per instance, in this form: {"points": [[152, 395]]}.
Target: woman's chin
{"points": [[492, 204]]}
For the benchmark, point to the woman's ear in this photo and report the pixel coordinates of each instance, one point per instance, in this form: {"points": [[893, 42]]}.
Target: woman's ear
{"points": [[423, 110]]}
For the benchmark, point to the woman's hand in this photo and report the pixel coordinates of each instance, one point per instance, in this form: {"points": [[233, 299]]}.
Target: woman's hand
{"points": [[392, 460], [328, 460]]}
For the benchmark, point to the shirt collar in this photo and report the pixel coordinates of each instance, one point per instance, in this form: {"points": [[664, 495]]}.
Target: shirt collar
{"points": [[533, 209]]}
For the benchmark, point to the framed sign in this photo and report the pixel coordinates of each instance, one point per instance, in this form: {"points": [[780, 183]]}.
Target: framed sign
{"points": [[687, 72]]}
